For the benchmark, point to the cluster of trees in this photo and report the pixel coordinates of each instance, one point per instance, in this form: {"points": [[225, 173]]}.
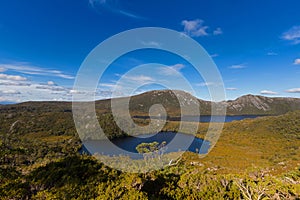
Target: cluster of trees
{"points": [[150, 147]]}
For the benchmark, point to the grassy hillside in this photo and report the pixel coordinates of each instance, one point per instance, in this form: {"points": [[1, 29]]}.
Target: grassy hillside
{"points": [[272, 143]]}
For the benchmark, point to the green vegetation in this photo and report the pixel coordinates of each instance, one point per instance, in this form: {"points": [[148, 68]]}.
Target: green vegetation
{"points": [[39, 159], [149, 147]]}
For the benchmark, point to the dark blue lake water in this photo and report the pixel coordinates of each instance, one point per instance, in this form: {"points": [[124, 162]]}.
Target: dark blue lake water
{"points": [[127, 146], [208, 118]]}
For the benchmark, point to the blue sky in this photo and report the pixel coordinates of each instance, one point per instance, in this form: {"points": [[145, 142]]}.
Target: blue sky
{"points": [[255, 44]]}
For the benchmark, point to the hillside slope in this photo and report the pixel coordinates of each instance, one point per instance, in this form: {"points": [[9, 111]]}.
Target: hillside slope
{"points": [[266, 142]]}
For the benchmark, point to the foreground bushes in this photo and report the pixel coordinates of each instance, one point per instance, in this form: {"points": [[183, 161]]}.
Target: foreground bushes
{"points": [[81, 177]]}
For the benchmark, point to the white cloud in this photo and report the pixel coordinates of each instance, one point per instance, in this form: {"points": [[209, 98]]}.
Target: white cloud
{"points": [[33, 70], [105, 89], [171, 70], [93, 2], [231, 89], [9, 92], [12, 77], [13, 83], [50, 87], [51, 83], [218, 31], [139, 78], [292, 35], [192, 25], [268, 92], [9, 99], [111, 6], [76, 92], [206, 84], [151, 44], [19, 88], [241, 66], [214, 55], [271, 53], [108, 85], [297, 61], [293, 90], [177, 67], [16, 91], [2, 69], [195, 27]]}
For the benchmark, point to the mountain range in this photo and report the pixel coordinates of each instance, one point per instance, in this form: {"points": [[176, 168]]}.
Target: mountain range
{"points": [[141, 103]]}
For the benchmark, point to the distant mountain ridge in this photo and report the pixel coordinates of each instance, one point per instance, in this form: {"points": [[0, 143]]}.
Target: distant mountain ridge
{"points": [[244, 105], [141, 103], [260, 105], [55, 118]]}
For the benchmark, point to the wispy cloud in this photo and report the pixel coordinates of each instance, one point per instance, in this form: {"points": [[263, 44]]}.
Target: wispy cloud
{"points": [[14, 83], [9, 92], [218, 31], [268, 92], [139, 78], [171, 70], [113, 6], [151, 43], [2, 69], [297, 61], [293, 35], [9, 99], [293, 90], [196, 28], [12, 77], [51, 87], [77, 92], [206, 84], [94, 2], [231, 89], [50, 83], [129, 14], [33, 70], [214, 55], [240, 66], [108, 85], [271, 53], [17, 91]]}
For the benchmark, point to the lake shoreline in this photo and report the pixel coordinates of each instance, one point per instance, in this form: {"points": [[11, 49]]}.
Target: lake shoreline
{"points": [[202, 118], [193, 144]]}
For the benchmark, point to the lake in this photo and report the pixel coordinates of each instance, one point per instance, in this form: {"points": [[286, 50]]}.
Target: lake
{"points": [[181, 142], [207, 118], [178, 143]]}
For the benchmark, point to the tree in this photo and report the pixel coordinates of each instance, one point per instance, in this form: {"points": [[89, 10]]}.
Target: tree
{"points": [[150, 147]]}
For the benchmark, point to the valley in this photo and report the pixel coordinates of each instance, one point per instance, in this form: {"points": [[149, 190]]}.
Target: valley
{"points": [[40, 156]]}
